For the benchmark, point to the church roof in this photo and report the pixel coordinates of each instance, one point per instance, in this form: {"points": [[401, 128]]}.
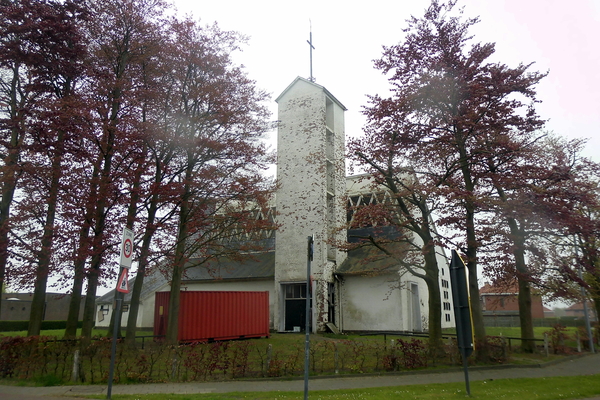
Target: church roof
{"points": [[367, 260], [300, 79], [257, 266]]}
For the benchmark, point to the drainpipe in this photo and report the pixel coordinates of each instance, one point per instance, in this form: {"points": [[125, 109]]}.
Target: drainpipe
{"points": [[339, 301]]}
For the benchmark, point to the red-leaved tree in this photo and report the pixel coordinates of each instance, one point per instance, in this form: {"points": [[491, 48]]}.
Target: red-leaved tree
{"points": [[458, 106]]}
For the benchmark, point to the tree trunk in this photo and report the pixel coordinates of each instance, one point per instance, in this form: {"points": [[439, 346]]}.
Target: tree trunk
{"points": [[11, 169], [173, 319], [75, 303], [89, 310], [524, 296], [481, 349], [179, 263], [525, 318], [134, 305], [43, 270], [180, 258], [89, 307], [436, 345], [78, 276], [8, 189]]}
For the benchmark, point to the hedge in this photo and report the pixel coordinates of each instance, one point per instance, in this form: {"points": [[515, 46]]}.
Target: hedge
{"points": [[13, 326]]}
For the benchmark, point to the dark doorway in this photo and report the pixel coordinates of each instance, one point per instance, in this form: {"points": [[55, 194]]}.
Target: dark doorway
{"points": [[295, 306], [331, 302], [295, 314]]}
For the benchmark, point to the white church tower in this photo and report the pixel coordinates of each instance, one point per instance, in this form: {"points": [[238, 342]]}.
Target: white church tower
{"points": [[309, 202]]}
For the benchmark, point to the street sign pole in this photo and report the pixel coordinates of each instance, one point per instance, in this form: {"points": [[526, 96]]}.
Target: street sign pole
{"points": [[113, 349], [121, 289], [307, 319]]}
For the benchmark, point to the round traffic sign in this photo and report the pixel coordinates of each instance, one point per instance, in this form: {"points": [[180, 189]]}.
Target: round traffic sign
{"points": [[127, 248]]}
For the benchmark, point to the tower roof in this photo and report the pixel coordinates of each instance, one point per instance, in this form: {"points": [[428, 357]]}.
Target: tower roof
{"points": [[300, 79]]}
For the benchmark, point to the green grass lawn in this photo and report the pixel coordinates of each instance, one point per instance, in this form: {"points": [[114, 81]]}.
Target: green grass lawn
{"points": [[578, 387]]}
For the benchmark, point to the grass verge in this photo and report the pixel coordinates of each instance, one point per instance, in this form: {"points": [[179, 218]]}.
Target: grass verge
{"points": [[564, 388]]}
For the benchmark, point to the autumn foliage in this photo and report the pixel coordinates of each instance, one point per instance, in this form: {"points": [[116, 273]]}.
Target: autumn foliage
{"points": [[459, 139], [114, 114]]}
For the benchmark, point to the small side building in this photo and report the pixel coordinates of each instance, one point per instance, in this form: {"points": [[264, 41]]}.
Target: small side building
{"points": [[17, 306]]}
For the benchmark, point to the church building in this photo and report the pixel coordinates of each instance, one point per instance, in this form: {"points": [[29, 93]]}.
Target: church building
{"points": [[352, 291]]}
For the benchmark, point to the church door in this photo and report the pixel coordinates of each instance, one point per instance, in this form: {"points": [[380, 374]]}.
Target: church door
{"points": [[416, 308], [295, 306]]}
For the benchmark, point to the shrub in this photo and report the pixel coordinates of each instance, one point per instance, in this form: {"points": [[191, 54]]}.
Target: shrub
{"points": [[557, 337], [15, 326], [10, 355], [407, 354], [497, 349]]}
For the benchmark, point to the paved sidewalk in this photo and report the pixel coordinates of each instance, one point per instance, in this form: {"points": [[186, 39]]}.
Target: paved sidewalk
{"points": [[582, 365]]}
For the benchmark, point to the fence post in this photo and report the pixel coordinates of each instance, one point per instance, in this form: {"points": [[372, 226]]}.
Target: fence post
{"points": [[546, 343], [174, 367], [269, 354], [504, 350], [336, 358], [75, 374]]}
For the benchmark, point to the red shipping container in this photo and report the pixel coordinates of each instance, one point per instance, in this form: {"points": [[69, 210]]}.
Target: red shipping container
{"points": [[206, 316]]}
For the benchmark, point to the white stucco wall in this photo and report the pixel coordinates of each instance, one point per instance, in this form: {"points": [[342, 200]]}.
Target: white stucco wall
{"points": [[381, 303], [310, 170], [104, 312], [370, 303], [446, 292]]}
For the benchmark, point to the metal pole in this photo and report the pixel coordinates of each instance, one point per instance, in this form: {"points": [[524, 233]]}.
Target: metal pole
{"points": [[113, 350], [307, 319], [465, 357]]}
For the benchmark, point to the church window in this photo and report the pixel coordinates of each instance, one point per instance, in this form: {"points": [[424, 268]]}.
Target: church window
{"points": [[330, 177], [330, 144], [329, 117], [295, 291]]}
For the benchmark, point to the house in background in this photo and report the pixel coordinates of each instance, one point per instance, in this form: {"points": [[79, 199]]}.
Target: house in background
{"points": [[352, 291], [548, 313], [577, 310], [500, 305]]}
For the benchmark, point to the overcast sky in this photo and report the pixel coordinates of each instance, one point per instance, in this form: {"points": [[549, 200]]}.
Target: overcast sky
{"points": [[559, 38]]}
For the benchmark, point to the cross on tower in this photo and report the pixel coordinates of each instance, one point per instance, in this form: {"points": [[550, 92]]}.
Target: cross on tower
{"points": [[312, 79]]}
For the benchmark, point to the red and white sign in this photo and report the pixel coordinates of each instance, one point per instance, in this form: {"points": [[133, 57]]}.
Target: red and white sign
{"points": [[126, 248], [122, 284]]}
